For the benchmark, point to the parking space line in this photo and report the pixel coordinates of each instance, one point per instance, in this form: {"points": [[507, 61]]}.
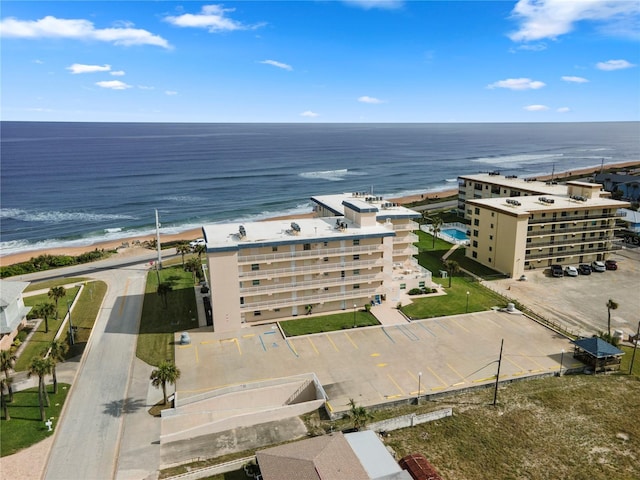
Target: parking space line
{"points": [[374, 355], [457, 373], [291, 346], [234, 340], [352, 342], [444, 384], [396, 384], [459, 325], [249, 335], [262, 343], [445, 328], [408, 333], [487, 379], [381, 364], [515, 364], [387, 334], [313, 346], [332, 343], [420, 324]]}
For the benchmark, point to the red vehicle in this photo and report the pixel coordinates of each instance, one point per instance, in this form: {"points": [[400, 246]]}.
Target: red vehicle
{"points": [[611, 265]]}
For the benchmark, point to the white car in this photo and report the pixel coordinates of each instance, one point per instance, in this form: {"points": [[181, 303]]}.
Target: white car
{"points": [[598, 266], [571, 271], [195, 243]]}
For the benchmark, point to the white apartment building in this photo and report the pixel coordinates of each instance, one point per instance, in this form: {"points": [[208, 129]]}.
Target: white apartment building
{"points": [[263, 271]]}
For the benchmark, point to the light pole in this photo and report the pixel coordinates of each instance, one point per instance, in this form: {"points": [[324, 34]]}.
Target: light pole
{"points": [[71, 340], [561, 360], [419, 385], [467, 311], [354, 315]]}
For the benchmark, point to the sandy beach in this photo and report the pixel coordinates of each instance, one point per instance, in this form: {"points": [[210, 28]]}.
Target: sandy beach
{"points": [[189, 235]]}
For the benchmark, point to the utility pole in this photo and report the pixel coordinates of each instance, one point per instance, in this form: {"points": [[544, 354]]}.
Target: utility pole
{"points": [[495, 392], [159, 261]]}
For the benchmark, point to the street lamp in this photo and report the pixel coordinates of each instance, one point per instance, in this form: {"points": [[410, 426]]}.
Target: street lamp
{"points": [[354, 315], [561, 360], [419, 385], [467, 311]]}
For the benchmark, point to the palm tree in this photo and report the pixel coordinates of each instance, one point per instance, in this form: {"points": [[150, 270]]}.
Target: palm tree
{"points": [[452, 267], [45, 310], [183, 249], [56, 293], [194, 265], [163, 290], [41, 366], [200, 249], [5, 382], [7, 359], [57, 350], [611, 305], [359, 415], [166, 372], [436, 228]]}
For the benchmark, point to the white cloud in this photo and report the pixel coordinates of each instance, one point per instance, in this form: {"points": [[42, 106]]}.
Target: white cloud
{"points": [[211, 17], [170, 92], [563, 110], [614, 65], [77, 29], [380, 4], [517, 84], [39, 62], [284, 66], [574, 79], [366, 99], [309, 114], [77, 68], [113, 84], [551, 18], [146, 87], [536, 108], [532, 47], [117, 73]]}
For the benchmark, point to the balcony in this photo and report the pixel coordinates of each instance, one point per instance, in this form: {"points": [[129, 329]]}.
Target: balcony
{"points": [[574, 218], [409, 250], [408, 238], [406, 226], [574, 252], [319, 282], [316, 267], [574, 241], [314, 252], [306, 300]]}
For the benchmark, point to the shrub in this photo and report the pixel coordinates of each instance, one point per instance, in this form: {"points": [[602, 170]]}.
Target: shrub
{"points": [[415, 291]]}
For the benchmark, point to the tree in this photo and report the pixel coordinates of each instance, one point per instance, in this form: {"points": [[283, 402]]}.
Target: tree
{"points": [[200, 249], [5, 383], [359, 415], [57, 350], [436, 228], [56, 293], [611, 305], [183, 249], [194, 265], [166, 372], [41, 367], [45, 311], [163, 290], [452, 267], [7, 359]]}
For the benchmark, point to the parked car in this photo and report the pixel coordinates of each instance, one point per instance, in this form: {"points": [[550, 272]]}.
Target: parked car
{"points": [[556, 271], [584, 269], [571, 271], [611, 265], [195, 243], [598, 266]]}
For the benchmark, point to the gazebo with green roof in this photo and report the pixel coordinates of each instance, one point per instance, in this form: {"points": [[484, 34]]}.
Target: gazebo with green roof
{"points": [[597, 353]]}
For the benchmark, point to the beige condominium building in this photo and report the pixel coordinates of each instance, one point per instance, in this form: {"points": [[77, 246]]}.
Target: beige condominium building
{"points": [[357, 250], [571, 224]]}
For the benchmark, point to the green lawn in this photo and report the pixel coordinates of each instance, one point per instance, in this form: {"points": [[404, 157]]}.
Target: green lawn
{"points": [[53, 283], [25, 428], [159, 322], [328, 323]]}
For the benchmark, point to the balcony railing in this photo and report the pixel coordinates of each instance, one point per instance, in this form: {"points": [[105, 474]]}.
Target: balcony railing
{"points": [[306, 300], [317, 267], [314, 252], [571, 253], [409, 250], [575, 241], [406, 226], [409, 238], [319, 282], [574, 218]]}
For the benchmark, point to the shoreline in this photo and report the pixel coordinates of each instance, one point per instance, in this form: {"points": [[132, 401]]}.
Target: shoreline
{"points": [[192, 234]]}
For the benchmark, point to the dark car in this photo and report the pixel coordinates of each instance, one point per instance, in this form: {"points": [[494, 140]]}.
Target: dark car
{"points": [[556, 271], [584, 269], [611, 265]]}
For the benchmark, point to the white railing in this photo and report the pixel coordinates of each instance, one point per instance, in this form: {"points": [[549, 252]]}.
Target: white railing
{"points": [[314, 252], [318, 267]]}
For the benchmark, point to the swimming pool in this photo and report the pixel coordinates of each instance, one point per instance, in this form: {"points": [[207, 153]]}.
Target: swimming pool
{"points": [[455, 233]]}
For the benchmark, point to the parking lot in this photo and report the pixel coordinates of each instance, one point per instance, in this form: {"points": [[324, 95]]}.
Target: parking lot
{"points": [[580, 302], [379, 364]]}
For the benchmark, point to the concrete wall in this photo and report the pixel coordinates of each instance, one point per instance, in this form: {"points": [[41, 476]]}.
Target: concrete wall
{"points": [[408, 420], [225, 291]]}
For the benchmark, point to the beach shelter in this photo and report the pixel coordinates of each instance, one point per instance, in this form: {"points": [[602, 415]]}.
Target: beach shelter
{"points": [[597, 353]]}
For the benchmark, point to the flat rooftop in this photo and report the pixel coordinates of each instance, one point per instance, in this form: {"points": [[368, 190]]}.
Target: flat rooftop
{"points": [[508, 181], [386, 209], [286, 231]]}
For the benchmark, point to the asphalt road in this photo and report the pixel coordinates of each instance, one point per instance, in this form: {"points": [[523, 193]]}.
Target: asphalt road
{"points": [[87, 440]]}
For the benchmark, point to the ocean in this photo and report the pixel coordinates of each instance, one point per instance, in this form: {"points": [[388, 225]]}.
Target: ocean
{"points": [[72, 184]]}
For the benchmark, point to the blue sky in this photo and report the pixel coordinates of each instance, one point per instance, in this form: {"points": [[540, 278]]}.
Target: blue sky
{"points": [[321, 61]]}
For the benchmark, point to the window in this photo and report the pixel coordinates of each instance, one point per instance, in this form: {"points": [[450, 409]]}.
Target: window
{"points": [[476, 211], [356, 272], [356, 242], [256, 282], [475, 244], [326, 289], [307, 246], [356, 257], [326, 244], [529, 240], [241, 300], [563, 214], [403, 286], [492, 225], [342, 273], [255, 266], [474, 254], [421, 284], [490, 237], [493, 214], [489, 260], [476, 222], [475, 233], [491, 249], [257, 313], [356, 286], [274, 249], [326, 259]]}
